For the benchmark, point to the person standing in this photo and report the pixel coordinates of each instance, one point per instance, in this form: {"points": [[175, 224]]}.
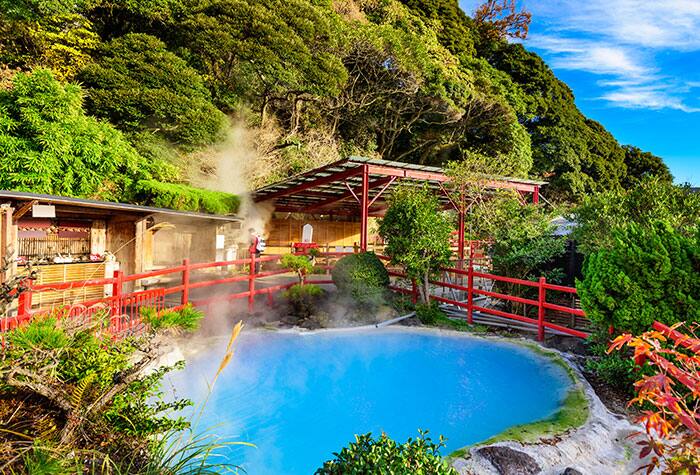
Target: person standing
{"points": [[257, 246]]}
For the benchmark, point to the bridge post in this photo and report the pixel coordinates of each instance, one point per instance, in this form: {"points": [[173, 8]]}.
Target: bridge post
{"points": [[117, 281], [251, 282], [470, 292], [185, 281]]}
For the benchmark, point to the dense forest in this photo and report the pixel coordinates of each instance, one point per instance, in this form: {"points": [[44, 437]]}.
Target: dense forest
{"points": [[143, 101]]}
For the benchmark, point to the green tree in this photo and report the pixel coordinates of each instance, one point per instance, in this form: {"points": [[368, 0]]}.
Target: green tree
{"points": [[140, 85], [266, 52], [641, 165], [50, 146], [417, 233], [649, 273], [523, 244], [652, 199]]}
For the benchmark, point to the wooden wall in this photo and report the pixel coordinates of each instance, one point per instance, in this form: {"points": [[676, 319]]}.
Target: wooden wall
{"points": [[121, 241], [283, 232]]}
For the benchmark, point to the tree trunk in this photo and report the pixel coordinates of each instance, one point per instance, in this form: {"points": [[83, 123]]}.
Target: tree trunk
{"points": [[425, 288]]}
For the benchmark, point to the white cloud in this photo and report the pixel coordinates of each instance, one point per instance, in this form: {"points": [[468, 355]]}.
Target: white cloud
{"points": [[646, 98], [619, 40]]}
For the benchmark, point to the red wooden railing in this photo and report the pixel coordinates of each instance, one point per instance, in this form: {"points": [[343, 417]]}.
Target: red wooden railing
{"points": [[123, 308], [472, 290]]}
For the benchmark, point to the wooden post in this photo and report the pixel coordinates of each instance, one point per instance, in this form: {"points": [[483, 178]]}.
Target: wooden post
{"points": [[116, 300], [185, 281], [470, 292], [251, 281], [414, 292], [541, 309]]}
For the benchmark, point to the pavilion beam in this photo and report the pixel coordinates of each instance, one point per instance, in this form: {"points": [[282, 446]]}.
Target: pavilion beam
{"points": [[349, 194], [364, 208], [311, 184], [440, 177]]}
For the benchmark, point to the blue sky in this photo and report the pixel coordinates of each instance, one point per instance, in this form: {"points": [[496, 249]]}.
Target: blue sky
{"points": [[634, 66]]}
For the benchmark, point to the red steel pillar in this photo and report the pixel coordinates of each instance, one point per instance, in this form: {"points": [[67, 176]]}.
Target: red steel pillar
{"points": [[364, 204], [460, 239], [536, 195]]}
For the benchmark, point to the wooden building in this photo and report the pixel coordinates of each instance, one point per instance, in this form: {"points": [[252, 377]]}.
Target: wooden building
{"points": [[76, 239]]}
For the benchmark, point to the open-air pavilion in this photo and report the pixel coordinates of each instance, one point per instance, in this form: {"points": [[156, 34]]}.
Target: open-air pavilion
{"points": [[357, 187]]}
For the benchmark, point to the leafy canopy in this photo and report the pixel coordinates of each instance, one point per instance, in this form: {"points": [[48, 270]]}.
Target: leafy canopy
{"points": [[652, 199], [140, 85], [50, 146], [417, 234], [648, 273]]}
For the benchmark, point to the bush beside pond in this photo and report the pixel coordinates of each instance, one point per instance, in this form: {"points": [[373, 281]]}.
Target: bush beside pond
{"points": [[363, 278], [367, 454]]}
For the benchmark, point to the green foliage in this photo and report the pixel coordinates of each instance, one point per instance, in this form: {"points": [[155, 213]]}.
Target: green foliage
{"points": [[362, 277], [649, 273], [417, 234], [140, 85], [522, 241], [369, 455], [642, 165], [301, 265], [187, 318], [651, 200], [262, 50], [430, 313], [186, 198], [50, 146], [303, 299], [405, 80]]}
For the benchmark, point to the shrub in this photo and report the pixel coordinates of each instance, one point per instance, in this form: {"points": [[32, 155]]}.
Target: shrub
{"points": [[303, 299], [384, 455], [186, 198], [430, 313], [669, 396], [301, 265], [648, 274], [187, 318], [72, 384], [615, 370], [362, 277]]}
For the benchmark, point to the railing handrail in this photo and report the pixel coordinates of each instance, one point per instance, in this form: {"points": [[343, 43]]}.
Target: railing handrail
{"points": [[115, 301]]}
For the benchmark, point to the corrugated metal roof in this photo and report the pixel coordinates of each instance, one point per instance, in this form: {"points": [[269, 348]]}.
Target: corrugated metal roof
{"points": [[108, 205], [307, 192]]}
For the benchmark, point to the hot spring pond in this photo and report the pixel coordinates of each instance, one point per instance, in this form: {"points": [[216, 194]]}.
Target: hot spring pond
{"points": [[299, 398]]}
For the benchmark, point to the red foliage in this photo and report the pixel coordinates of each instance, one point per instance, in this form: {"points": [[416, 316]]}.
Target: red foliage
{"points": [[673, 391], [503, 18]]}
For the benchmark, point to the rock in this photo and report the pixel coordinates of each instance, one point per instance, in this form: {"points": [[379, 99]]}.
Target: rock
{"points": [[571, 471], [510, 461]]}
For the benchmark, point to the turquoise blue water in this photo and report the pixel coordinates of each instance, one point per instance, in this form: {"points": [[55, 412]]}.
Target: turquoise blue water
{"points": [[299, 398]]}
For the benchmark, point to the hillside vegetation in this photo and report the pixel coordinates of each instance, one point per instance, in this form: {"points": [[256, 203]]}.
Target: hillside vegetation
{"points": [[164, 83]]}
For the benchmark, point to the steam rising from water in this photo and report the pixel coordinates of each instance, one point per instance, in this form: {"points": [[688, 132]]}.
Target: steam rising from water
{"points": [[229, 169]]}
